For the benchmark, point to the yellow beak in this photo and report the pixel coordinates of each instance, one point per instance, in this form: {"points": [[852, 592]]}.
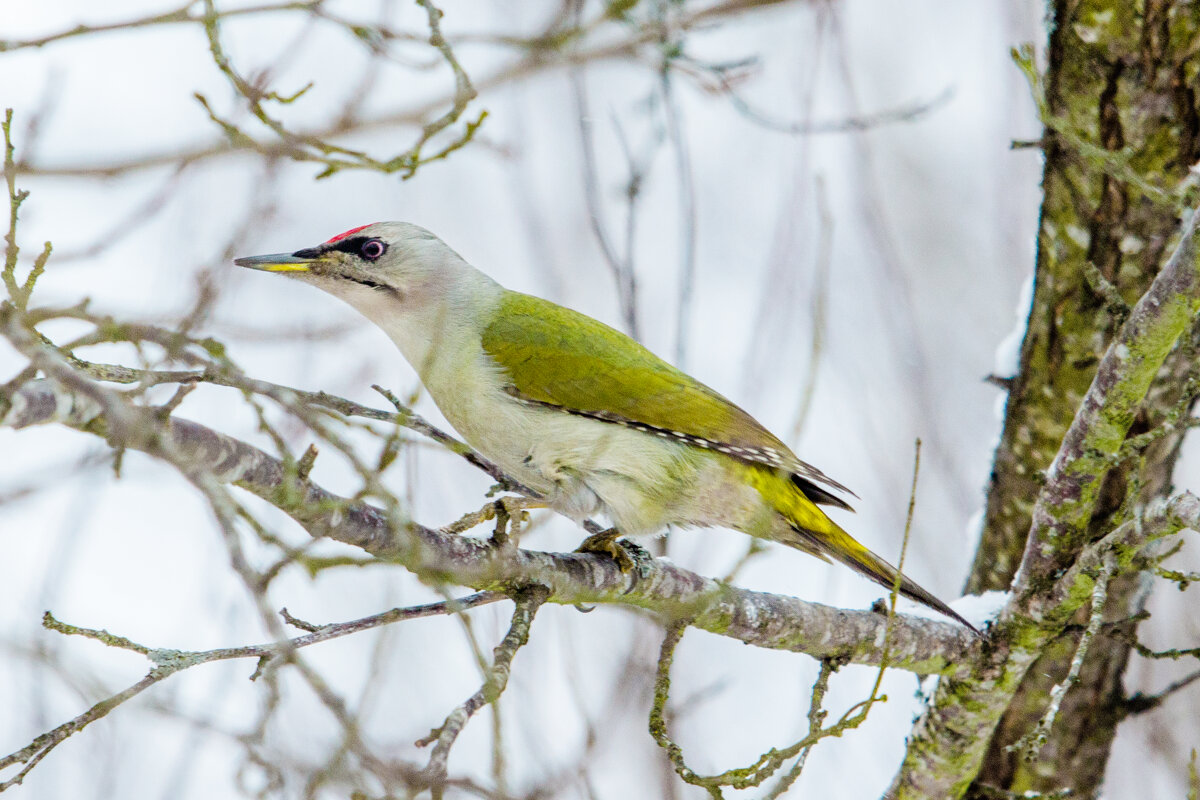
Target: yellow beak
{"points": [[276, 262]]}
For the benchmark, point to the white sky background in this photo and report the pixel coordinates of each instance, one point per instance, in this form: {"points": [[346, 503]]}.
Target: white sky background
{"points": [[932, 235]]}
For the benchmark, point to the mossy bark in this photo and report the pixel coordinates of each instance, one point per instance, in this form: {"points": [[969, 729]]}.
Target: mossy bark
{"points": [[1123, 126]]}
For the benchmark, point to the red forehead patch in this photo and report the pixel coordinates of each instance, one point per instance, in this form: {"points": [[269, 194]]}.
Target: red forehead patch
{"points": [[350, 232]]}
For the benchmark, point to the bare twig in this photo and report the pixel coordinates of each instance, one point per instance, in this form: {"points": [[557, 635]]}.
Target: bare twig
{"points": [[1029, 744], [15, 198], [527, 603], [820, 304], [180, 15], [319, 149], [539, 53], [621, 268], [670, 47], [769, 762], [169, 662], [816, 719], [1141, 703]]}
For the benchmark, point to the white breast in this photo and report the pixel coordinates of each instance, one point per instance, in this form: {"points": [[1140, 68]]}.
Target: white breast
{"points": [[584, 466]]}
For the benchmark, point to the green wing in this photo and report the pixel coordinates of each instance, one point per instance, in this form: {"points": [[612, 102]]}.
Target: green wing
{"points": [[561, 358]]}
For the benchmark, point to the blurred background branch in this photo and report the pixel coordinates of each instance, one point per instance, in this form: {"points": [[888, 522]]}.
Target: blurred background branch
{"points": [[657, 165]]}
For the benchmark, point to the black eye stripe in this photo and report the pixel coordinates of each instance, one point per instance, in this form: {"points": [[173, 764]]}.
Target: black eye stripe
{"points": [[353, 245]]}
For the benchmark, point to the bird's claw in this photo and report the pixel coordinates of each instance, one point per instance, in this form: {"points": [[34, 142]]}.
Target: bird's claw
{"points": [[643, 561], [630, 556]]}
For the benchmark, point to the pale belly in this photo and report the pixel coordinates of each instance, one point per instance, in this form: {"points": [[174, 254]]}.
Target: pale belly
{"points": [[640, 482]]}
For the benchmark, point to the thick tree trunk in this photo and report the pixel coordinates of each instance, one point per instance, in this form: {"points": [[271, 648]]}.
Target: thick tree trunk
{"points": [[1122, 129]]}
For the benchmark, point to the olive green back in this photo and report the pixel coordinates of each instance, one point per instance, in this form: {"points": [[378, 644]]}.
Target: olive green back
{"points": [[559, 357]]}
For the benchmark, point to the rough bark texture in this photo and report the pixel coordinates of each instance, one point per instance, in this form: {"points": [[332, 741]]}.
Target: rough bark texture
{"points": [[1060, 566], [1121, 77]]}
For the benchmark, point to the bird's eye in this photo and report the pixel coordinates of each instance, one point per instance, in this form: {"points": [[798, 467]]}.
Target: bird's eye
{"points": [[372, 249]]}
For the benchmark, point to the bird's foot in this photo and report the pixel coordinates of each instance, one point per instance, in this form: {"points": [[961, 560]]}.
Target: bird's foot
{"points": [[630, 557]]}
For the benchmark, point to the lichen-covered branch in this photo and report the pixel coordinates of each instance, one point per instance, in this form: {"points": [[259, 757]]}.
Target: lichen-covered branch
{"points": [[1066, 504], [950, 740], [1031, 742], [1114, 87], [769, 762]]}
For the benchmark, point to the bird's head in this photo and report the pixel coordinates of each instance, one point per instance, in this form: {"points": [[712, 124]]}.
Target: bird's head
{"points": [[401, 277], [385, 263]]}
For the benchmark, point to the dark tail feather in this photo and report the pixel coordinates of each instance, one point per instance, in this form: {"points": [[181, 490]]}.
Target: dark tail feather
{"points": [[846, 549], [913, 591]]}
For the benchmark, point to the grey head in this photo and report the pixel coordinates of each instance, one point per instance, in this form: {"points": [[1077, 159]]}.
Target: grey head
{"points": [[392, 262]]}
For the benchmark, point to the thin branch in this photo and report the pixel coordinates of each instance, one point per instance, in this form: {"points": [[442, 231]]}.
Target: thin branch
{"points": [[621, 269], [765, 620], [687, 213], [32, 754], [1141, 703], [528, 601], [540, 53], [168, 662], [816, 718], [335, 158], [769, 762], [181, 15], [464, 93], [908, 112], [1033, 741], [15, 198], [820, 307], [1121, 165]]}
